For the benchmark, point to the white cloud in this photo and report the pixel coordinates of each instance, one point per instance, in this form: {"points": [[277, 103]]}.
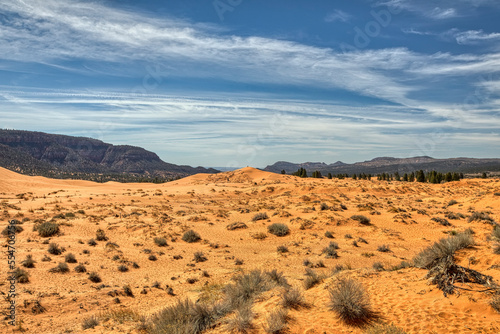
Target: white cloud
{"points": [[338, 15], [475, 36]]}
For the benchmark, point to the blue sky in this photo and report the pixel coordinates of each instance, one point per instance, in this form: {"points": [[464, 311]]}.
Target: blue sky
{"points": [[240, 82]]}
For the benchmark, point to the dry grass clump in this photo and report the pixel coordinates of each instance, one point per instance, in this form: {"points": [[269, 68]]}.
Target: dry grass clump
{"points": [[160, 241], [60, 268], [9, 229], [241, 322], [47, 229], [236, 225], [383, 248], [28, 262], [331, 251], [282, 249], [246, 287], [350, 302], [94, 277], [292, 299], [442, 249], [100, 235], [361, 219], [277, 321], [54, 249], [185, 317], [122, 268], [482, 217], [80, 268], [278, 229], [191, 236], [199, 257], [70, 258], [312, 278], [90, 322], [495, 303], [21, 275], [260, 216]]}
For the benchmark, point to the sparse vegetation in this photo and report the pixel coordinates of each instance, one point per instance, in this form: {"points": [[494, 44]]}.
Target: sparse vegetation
{"points": [[122, 268], [482, 217], [47, 229], [60, 268], [90, 322], [80, 268], [282, 249], [92, 242], [241, 322], [278, 229], [312, 279], [385, 329], [21, 275], [361, 219], [191, 236], [94, 277], [199, 257], [292, 299], [329, 235], [70, 258], [260, 216], [160, 241], [331, 251], [28, 262], [383, 248], [277, 321], [350, 302], [54, 249]]}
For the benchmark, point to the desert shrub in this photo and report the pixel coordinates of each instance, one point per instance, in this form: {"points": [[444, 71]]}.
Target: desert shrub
{"points": [[378, 266], [60, 268], [292, 299], [324, 207], [260, 216], [191, 236], [481, 216], [47, 229], [160, 241], [496, 233], [361, 219], [454, 215], [331, 251], [17, 229], [46, 258], [278, 229], [94, 277], [54, 249], [152, 257], [100, 235], [384, 329], [441, 221], [495, 303], [277, 321], [127, 290], [277, 277], [80, 268], [90, 322], [135, 265], [312, 278], [185, 317], [199, 257], [259, 235], [238, 262], [123, 268], [92, 242], [21, 275], [282, 249], [452, 202], [70, 258], [236, 225], [245, 288], [383, 248], [28, 262], [350, 302], [241, 322], [329, 235], [348, 236], [442, 249]]}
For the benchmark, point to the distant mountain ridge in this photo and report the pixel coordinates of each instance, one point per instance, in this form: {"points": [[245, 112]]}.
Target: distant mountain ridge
{"points": [[38, 153], [392, 165]]}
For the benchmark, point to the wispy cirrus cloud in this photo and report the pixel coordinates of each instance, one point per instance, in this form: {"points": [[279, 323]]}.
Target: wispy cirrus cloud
{"points": [[338, 15]]}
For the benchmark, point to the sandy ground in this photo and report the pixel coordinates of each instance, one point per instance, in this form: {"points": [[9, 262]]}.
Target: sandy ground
{"points": [[132, 215]]}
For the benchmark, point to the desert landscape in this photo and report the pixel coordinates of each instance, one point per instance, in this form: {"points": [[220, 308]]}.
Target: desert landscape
{"points": [[115, 255]]}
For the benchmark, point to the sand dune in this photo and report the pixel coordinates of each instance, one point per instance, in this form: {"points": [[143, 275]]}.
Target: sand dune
{"points": [[133, 215]]}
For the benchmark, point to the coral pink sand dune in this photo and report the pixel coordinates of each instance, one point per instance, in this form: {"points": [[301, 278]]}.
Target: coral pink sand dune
{"points": [[132, 236]]}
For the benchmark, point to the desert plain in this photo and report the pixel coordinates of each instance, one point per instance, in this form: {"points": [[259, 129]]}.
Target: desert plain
{"points": [[231, 213]]}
